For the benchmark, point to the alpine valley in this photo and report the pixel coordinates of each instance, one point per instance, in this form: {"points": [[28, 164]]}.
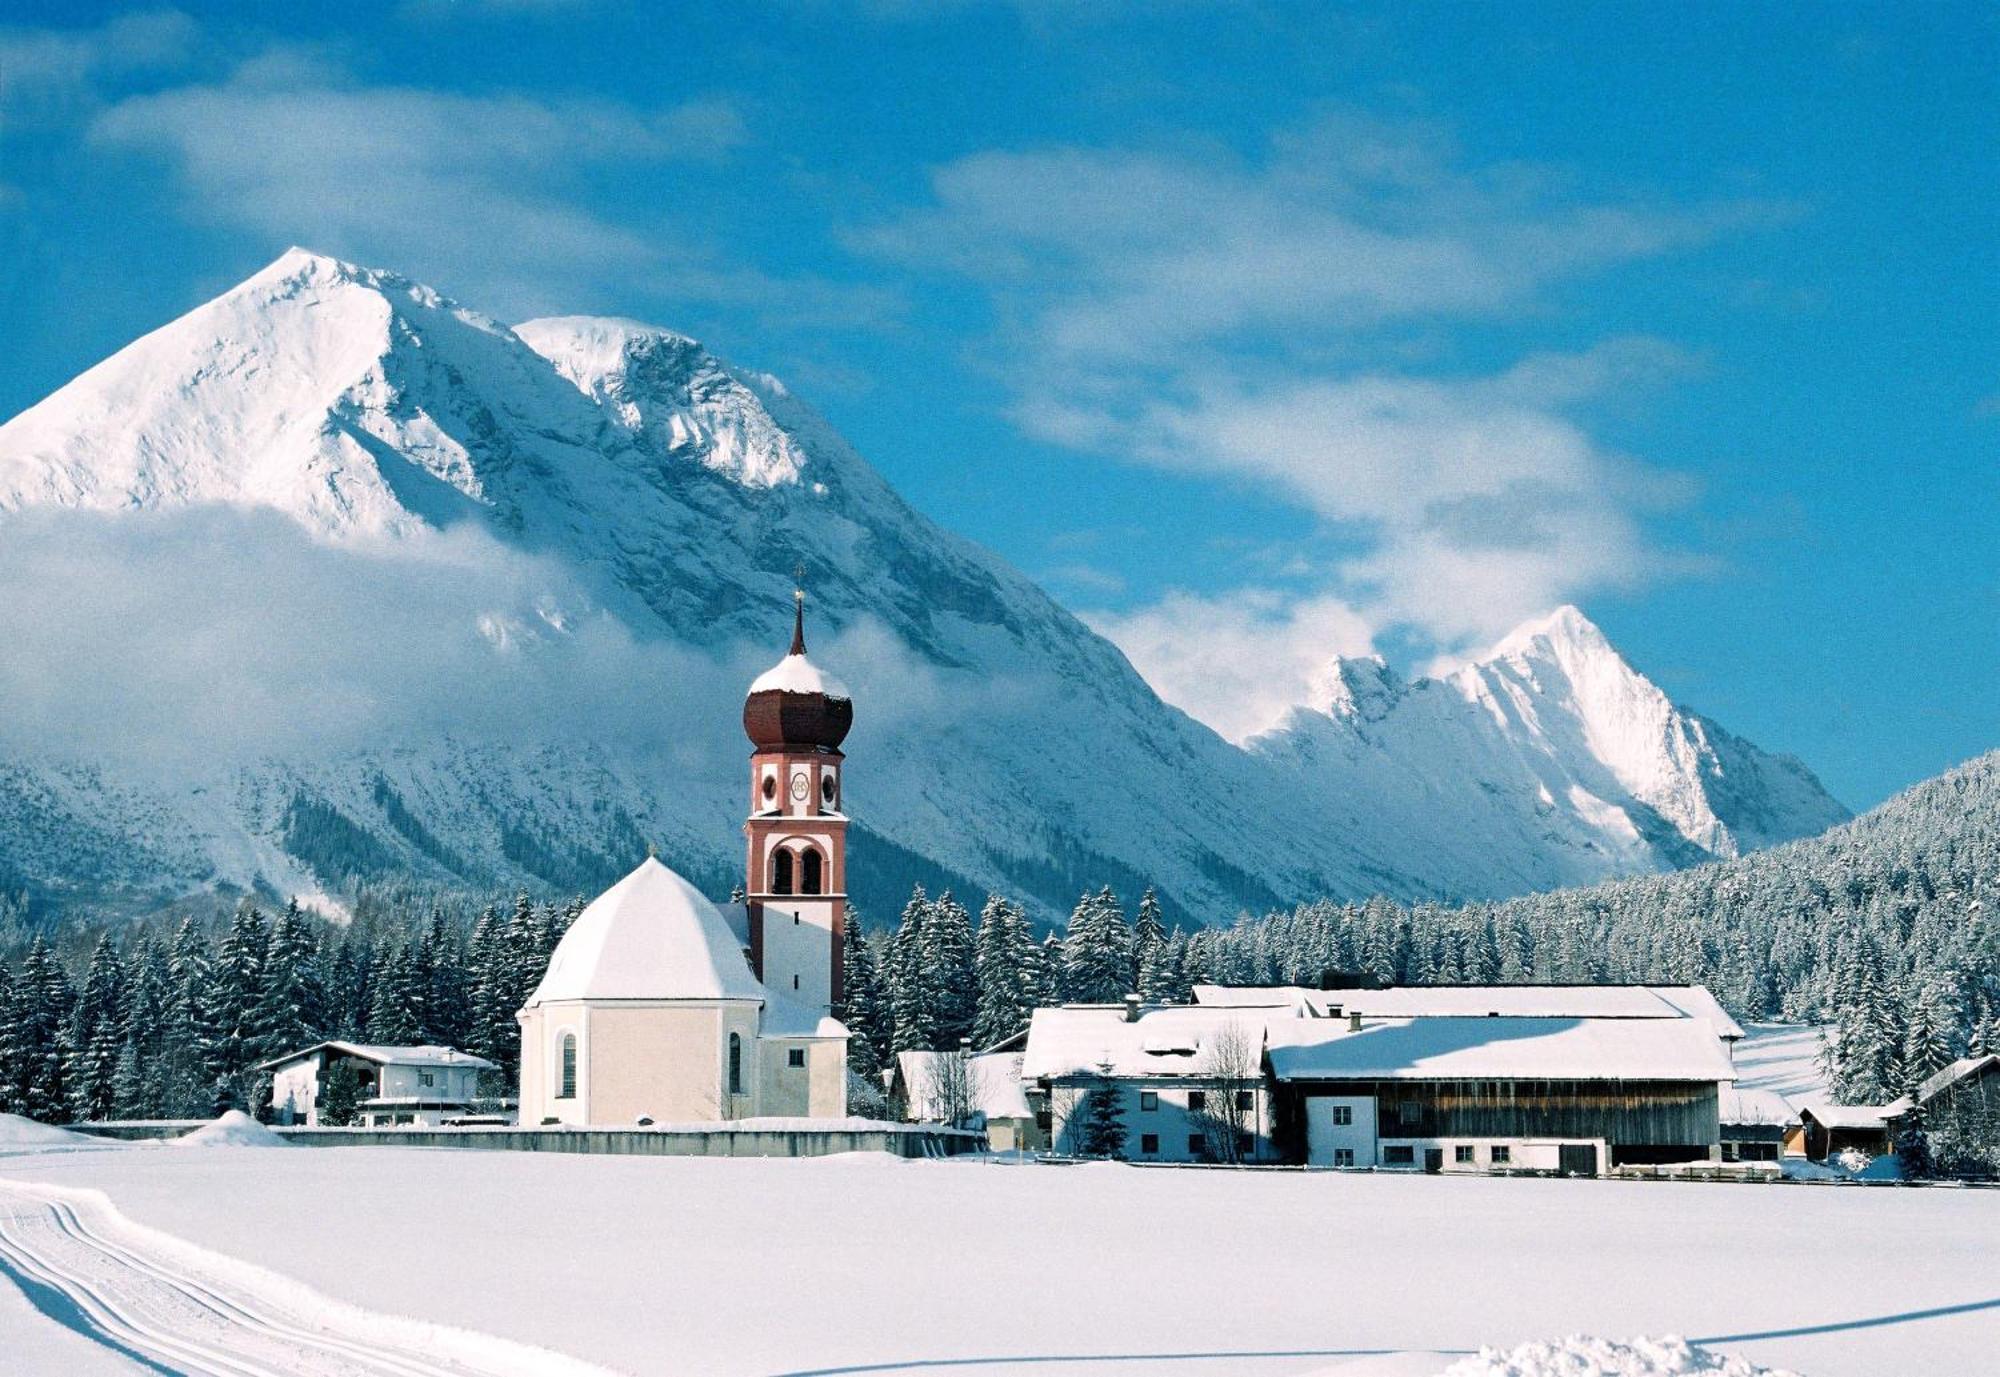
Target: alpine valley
{"points": [[293, 470]]}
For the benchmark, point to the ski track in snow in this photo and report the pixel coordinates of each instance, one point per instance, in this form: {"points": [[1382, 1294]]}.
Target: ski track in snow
{"points": [[174, 1307]]}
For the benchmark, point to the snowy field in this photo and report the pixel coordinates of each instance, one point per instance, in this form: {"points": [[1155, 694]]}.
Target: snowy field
{"points": [[867, 1263]]}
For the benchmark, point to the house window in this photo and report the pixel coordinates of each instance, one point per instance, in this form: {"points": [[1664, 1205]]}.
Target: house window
{"points": [[426, 1078], [1149, 1099], [1197, 1145], [812, 869], [1409, 1113], [1343, 1157], [795, 982], [1197, 1099], [781, 872], [1343, 1115], [1462, 1153], [568, 1078], [1502, 1155], [795, 1057], [735, 1064], [1401, 1156], [1149, 1144], [1246, 1099]]}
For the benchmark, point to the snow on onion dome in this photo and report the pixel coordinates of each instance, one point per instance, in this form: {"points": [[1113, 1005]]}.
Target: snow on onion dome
{"points": [[793, 704]]}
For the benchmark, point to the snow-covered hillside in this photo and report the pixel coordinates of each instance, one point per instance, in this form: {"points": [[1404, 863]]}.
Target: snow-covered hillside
{"points": [[644, 504]]}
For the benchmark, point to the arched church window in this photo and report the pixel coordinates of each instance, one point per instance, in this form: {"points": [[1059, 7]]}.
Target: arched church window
{"points": [[781, 872], [812, 869], [568, 1091], [735, 1064]]}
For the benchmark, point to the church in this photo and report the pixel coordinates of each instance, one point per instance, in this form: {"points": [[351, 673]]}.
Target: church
{"points": [[659, 1006]]}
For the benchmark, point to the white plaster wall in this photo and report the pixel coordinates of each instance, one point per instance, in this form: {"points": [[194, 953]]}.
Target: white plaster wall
{"points": [[798, 944], [1324, 1136], [1525, 1154], [1172, 1121], [294, 1087]]}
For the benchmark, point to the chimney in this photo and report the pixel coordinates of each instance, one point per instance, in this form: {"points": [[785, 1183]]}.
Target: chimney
{"points": [[1131, 1008], [1354, 1021]]}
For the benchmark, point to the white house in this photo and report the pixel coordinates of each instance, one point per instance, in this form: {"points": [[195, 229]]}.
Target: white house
{"points": [[983, 1090], [394, 1086], [1189, 1080], [660, 1007]]}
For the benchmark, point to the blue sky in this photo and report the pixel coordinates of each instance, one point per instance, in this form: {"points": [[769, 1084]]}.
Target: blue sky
{"points": [[1258, 332]]}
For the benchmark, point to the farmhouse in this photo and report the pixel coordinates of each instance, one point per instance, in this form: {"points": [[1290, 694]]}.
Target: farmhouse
{"points": [[1577, 1095], [659, 1006], [1188, 1080], [383, 1086], [1578, 1079]]}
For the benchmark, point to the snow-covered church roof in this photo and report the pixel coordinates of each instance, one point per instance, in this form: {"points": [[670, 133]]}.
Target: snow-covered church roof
{"points": [[650, 936], [796, 674]]}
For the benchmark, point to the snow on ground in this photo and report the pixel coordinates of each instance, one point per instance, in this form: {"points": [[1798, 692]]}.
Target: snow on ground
{"points": [[234, 1129], [1582, 1355], [32, 1345], [1783, 1057], [17, 1132], [870, 1263]]}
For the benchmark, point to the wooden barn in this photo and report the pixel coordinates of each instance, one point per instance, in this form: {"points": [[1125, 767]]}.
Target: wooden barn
{"points": [[1443, 1094]]}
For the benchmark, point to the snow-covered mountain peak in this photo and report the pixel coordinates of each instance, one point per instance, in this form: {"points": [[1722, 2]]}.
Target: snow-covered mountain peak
{"points": [[1358, 688], [664, 386]]}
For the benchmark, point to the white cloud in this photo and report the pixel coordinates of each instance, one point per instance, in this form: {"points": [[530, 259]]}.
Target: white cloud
{"points": [[47, 73], [481, 194], [1239, 661], [1198, 311]]}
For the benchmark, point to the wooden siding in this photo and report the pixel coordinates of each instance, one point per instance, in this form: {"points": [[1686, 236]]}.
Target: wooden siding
{"points": [[1651, 1112]]}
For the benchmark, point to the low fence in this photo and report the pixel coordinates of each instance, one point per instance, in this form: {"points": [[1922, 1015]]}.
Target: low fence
{"points": [[802, 1139]]}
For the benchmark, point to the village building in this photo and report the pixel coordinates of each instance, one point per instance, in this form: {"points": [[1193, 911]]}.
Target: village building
{"points": [[1188, 1080], [1577, 1079], [981, 1091], [1757, 1125], [383, 1087], [659, 1006]]}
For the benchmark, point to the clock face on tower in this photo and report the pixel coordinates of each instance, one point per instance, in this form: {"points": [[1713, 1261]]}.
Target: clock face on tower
{"points": [[800, 785]]}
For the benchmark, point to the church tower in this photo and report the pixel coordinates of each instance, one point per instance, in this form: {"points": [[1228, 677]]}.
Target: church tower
{"points": [[795, 881]]}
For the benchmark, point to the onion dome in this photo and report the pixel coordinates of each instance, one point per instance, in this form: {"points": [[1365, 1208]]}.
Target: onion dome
{"points": [[793, 705]]}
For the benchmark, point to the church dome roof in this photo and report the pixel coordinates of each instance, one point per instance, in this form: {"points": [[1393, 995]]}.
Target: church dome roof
{"points": [[795, 704], [650, 936]]}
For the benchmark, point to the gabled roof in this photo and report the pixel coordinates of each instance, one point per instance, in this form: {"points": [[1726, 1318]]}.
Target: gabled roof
{"points": [[1580, 1049], [650, 936], [1736, 1106], [993, 1084], [381, 1055], [1962, 1069], [1854, 1116], [1472, 1001], [1178, 1041], [785, 1019]]}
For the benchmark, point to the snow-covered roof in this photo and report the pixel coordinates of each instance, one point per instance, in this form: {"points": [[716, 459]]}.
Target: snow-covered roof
{"points": [[1507, 1001], [1736, 1106], [1582, 1049], [993, 1082], [797, 674], [1176, 1041], [1854, 1116], [784, 1018], [1959, 1070], [650, 936], [381, 1054], [1261, 996]]}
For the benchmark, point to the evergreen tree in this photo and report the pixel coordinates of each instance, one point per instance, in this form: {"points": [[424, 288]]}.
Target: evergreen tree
{"points": [[864, 1004], [1006, 960], [1149, 936], [909, 986], [239, 979], [43, 997], [290, 1010], [950, 977], [96, 1031], [1103, 1133], [1097, 953]]}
